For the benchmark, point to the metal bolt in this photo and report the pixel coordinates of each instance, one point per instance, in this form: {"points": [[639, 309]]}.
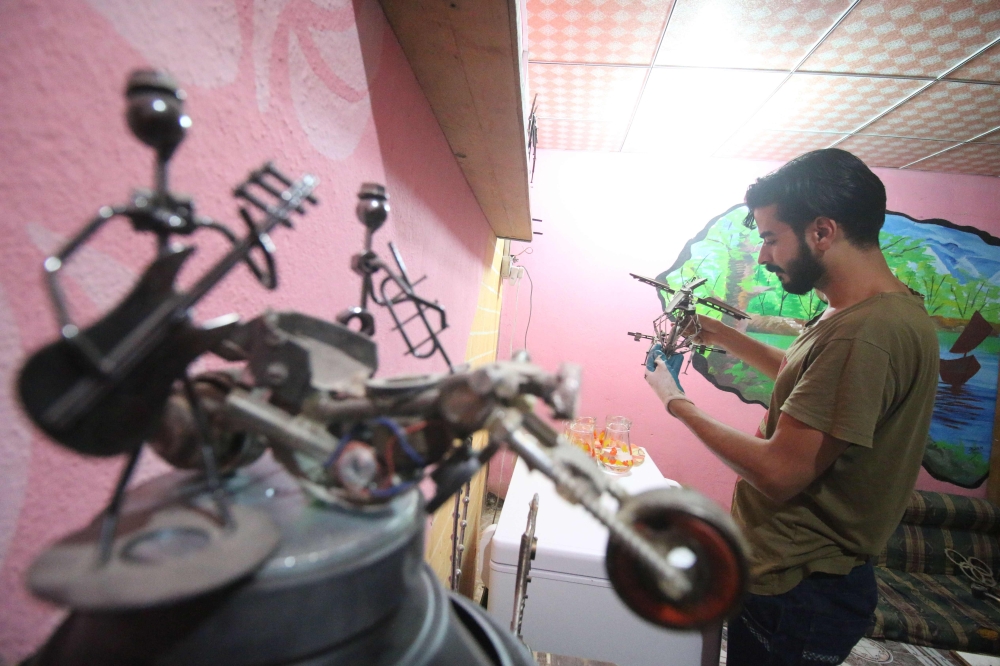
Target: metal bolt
{"points": [[357, 466], [276, 374], [681, 557]]}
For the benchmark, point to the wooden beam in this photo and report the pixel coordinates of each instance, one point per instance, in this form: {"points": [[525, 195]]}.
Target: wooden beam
{"points": [[465, 55]]}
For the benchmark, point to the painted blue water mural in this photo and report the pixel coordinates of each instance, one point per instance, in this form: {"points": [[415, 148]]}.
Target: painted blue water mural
{"points": [[963, 417]]}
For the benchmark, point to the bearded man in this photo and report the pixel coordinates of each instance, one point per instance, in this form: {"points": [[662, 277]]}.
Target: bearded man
{"points": [[828, 475]]}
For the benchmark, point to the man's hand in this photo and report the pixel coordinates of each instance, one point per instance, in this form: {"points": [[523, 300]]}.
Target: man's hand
{"points": [[713, 332], [663, 379]]}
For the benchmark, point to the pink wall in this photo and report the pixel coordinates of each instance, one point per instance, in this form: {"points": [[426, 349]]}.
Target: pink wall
{"points": [[606, 215], [318, 86]]}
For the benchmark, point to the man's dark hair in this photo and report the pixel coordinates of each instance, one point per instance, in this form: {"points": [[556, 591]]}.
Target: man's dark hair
{"points": [[823, 183]]}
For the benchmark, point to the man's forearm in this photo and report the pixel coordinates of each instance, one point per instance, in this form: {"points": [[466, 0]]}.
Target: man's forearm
{"points": [[746, 455], [764, 357]]}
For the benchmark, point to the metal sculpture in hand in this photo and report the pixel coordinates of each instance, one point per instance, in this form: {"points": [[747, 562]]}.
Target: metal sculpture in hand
{"points": [[676, 329]]}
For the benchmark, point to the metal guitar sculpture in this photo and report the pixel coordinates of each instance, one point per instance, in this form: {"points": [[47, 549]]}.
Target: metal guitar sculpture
{"points": [[674, 330], [100, 391]]}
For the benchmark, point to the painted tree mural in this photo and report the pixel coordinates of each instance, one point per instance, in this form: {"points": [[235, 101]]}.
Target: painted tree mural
{"points": [[957, 269]]}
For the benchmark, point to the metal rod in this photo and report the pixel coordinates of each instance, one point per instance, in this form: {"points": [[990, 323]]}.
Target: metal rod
{"points": [[109, 523], [673, 582], [456, 570], [203, 433]]}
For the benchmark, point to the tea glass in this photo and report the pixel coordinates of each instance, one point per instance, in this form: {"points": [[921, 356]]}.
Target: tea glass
{"points": [[638, 453], [581, 434], [623, 420], [616, 451], [599, 436]]}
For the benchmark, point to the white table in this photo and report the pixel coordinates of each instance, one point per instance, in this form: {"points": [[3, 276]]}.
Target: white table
{"points": [[571, 607]]}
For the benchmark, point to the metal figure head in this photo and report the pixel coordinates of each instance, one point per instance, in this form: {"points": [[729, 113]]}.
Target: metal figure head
{"points": [[155, 111], [373, 206]]}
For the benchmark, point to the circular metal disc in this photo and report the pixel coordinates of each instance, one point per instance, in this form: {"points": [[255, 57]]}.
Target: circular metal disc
{"points": [[160, 555]]}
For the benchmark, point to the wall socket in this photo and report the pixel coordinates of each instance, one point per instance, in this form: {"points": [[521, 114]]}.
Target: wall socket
{"points": [[505, 263]]}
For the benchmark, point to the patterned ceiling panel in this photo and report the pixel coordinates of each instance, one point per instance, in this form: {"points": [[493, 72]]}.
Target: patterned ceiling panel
{"points": [[915, 37], [727, 80], [690, 111], [580, 135], [985, 67], [821, 103], [955, 111], [736, 33], [765, 144], [989, 138], [579, 92], [972, 158], [595, 31], [891, 151]]}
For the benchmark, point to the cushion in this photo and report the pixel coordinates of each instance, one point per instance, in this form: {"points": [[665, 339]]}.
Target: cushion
{"points": [[921, 549], [934, 610], [952, 511]]}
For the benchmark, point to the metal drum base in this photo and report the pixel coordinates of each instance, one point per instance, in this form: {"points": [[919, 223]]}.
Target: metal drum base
{"points": [[346, 587]]}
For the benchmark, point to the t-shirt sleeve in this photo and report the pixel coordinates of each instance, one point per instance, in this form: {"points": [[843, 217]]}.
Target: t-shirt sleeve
{"points": [[843, 391]]}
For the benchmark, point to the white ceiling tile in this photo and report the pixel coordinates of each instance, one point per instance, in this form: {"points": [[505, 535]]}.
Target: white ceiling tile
{"points": [[754, 143], [735, 33], [886, 37], [891, 151], [971, 158], [822, 103], [687, 111]]}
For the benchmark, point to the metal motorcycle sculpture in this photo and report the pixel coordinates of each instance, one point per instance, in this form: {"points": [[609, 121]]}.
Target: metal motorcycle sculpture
{"points": [[292, 530]]}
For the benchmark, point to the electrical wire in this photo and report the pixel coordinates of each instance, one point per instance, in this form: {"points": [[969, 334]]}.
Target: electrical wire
{"points": [[400, 436], [513, 326], [531, 294]]}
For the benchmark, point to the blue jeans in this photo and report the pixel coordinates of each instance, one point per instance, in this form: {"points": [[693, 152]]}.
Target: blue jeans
{"points": [[816, 622]]}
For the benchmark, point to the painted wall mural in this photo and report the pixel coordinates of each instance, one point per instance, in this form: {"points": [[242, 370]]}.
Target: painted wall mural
{"points": [[956, 268]]}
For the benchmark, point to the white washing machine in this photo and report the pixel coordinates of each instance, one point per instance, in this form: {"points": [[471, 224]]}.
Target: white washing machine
{"points": [[571, 607]]}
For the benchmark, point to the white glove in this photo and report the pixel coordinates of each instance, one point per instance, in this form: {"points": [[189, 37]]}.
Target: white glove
{"points": [[664, 383]]}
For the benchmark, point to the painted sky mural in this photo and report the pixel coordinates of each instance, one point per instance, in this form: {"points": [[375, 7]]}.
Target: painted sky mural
{"points": [[957, 269]]}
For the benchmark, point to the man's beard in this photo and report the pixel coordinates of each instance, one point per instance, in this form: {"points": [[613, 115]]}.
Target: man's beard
{"points": [[802, 273]]}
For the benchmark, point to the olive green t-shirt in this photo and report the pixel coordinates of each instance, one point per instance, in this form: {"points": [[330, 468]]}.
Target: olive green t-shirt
{"points": [[866, 375]]}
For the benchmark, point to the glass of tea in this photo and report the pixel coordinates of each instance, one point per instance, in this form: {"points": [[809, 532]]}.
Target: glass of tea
{"points": [[581, 434], [616, 450]]}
